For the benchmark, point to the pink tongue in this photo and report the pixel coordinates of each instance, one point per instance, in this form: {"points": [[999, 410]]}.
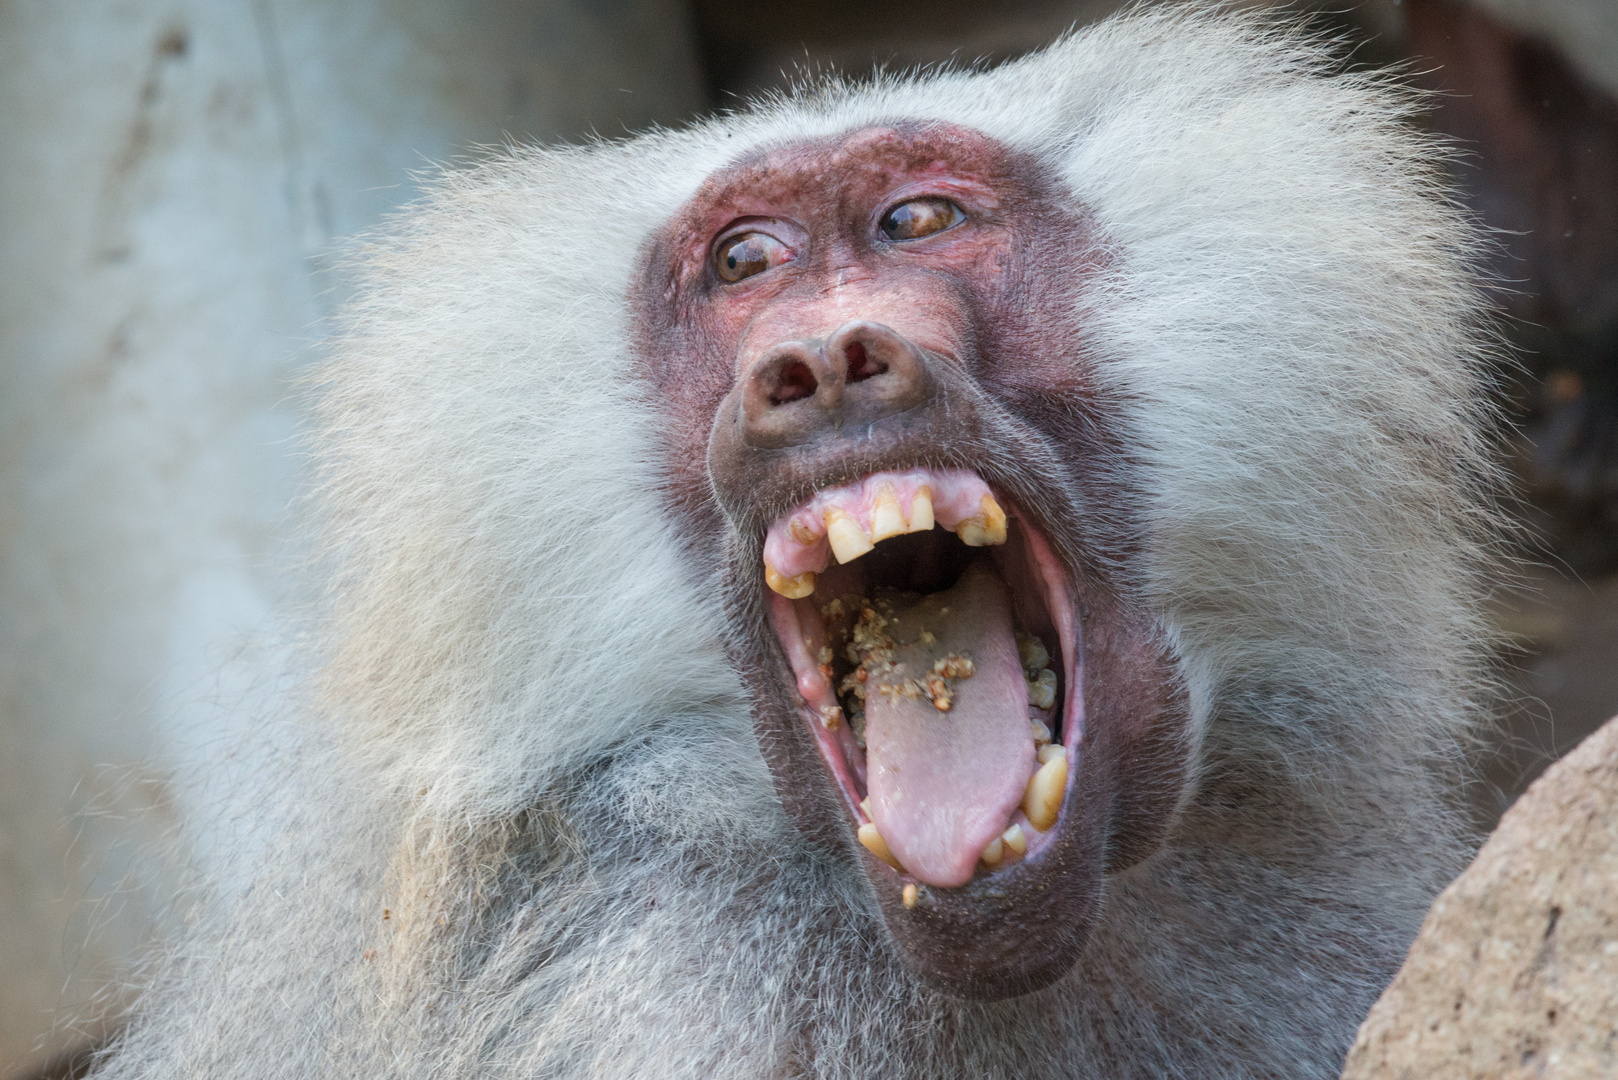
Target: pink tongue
{"points": [[944, 784]]}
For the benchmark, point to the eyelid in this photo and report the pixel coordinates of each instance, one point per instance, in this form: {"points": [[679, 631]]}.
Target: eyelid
{"points": [[746, 230]]}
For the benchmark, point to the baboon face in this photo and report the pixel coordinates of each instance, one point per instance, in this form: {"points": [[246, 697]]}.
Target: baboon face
{"points": [[887, 438]]}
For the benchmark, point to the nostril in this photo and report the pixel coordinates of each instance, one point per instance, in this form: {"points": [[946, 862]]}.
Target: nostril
{"points": [[861, 365], [793, 381]]}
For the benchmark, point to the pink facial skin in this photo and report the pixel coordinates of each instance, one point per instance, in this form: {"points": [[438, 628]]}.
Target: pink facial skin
{"points": [[981, 360]]}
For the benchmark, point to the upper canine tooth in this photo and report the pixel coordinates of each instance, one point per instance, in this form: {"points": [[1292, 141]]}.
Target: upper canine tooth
{"points": [[872, 839], [921, 511], [985, 528], [886, 520], [793, 588], [848, 540]]}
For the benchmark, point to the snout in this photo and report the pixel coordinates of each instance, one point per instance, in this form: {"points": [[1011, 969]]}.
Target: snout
{"points": [[798, 392]]}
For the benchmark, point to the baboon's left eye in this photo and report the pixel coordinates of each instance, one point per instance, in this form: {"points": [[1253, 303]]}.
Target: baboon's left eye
{"points": [[920, 217]]}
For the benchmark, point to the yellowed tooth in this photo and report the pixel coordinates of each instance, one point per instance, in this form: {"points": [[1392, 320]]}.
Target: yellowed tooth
{"points": [[886, 520], [793, 588], [986, 528], [921, 511], [876, 845], [1042, 690], [1043, 797], [1015, 840], [848, 540], [1031, 651], [994, 852], [909, 894], [1042, 734], [865, 807], [1050, 753]]}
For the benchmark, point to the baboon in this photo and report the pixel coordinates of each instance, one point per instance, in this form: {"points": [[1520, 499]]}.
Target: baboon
{"points": [[974, 573]]}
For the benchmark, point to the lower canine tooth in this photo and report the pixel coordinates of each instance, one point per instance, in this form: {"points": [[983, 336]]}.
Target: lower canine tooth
{"points": [[1015, 840], [986, 528], [994, 852], [886, 520], [848, 540], [1043, 796], [921, 511], [793, 588], [876, 845]]}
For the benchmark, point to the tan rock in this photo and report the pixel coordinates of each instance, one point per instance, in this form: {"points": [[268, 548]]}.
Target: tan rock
{"points": [[1515, 972]]}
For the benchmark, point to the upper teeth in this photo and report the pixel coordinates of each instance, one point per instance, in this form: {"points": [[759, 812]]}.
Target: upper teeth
{"points": [[885, 518], [795, 548], [793, 588], [985, 528]]}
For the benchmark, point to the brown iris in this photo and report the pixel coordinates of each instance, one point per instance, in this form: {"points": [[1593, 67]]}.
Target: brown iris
{"points": [[749, 253], [920, 217]]}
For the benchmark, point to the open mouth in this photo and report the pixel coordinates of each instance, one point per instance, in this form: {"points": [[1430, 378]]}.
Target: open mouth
{"points": [[933, 640]]}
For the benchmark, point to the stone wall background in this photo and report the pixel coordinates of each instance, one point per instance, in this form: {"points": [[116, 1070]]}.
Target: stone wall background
{"points": [[175, 178]]}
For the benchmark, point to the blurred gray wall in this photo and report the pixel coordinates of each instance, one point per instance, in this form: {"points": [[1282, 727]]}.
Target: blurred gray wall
{"points": [[173, 177]]}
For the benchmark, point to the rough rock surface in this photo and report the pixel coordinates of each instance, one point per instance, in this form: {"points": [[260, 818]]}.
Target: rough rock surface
{"points": [[1515, 972]]}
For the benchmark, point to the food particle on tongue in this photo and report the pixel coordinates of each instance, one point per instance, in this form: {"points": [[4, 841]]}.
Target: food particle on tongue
{"points": [[870, 648]]}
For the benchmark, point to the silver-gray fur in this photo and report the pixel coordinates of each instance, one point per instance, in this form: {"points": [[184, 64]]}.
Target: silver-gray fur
{"points": [[532, 833]]}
